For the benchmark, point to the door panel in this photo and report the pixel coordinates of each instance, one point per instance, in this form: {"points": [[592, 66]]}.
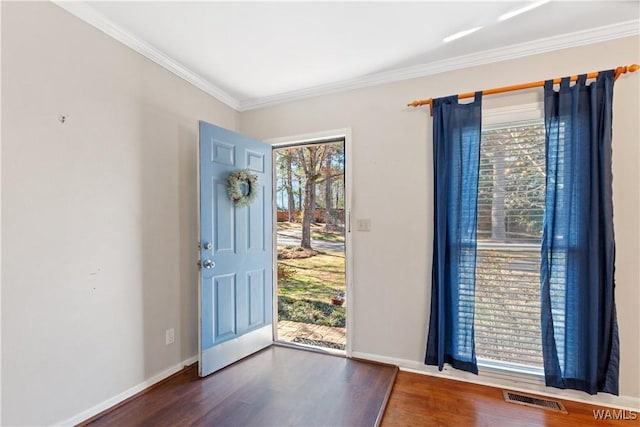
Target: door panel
{"points": [[224, 304], [255, 287], [256, 228], [224, 221], [236, 306]]}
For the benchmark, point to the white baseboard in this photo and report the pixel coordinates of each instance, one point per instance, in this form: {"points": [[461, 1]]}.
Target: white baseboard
{"points": [[516, 382], [85, 415]]}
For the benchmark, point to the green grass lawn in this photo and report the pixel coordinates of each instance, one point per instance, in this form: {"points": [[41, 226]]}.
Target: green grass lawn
{"points": [[305, 295], [317, 278]]}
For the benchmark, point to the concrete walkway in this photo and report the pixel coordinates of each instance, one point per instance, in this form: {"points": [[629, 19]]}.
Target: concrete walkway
{"points": [[289, 331]]}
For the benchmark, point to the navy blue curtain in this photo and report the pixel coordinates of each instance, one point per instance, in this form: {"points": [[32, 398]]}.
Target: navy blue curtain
{"points": [[579, 327], [456, 158]]}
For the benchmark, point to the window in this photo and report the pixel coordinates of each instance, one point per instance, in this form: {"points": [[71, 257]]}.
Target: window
{"points": [[511, 191]]}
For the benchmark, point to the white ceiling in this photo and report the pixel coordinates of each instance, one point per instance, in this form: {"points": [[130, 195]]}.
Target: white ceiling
{"points": [[249, 54]]}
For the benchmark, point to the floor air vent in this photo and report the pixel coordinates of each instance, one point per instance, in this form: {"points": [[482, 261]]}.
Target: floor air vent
{"points": [[533, 401]]}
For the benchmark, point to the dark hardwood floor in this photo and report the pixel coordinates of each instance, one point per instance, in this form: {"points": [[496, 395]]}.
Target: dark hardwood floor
{"points": [[420, 400], [278, 386], [281, 386]]}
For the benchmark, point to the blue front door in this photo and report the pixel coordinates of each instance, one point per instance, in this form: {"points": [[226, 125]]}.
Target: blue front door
{"points": [[236, 274]]}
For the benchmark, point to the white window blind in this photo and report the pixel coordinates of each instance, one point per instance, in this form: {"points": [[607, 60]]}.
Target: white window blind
{"points": [[510, 214]]}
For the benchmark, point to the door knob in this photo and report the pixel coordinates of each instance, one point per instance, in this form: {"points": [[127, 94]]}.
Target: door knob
{"points": [[207, 246], [207, 263]]}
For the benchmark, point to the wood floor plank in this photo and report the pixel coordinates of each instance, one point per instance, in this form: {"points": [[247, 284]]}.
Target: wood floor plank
{"points": [[421, 400], [278, 386]]}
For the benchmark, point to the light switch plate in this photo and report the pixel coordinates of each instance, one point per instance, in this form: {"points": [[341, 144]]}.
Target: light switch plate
{"points": [[364, 224]]}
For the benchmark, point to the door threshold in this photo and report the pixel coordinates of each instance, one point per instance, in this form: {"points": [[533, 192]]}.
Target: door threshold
{"points": [[315, 349]]}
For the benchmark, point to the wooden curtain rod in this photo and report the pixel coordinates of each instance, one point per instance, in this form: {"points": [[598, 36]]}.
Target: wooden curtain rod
{"points": [[619, 71]]}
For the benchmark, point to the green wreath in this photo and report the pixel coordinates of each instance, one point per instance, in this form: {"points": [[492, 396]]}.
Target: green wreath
{"points": [[242, 187]]}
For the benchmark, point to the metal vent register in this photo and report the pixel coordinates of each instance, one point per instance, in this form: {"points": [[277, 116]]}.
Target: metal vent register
{"points": [[533, 401]]}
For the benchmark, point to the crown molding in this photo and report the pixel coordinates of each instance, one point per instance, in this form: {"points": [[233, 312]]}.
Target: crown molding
{"points": [[85, 12], [548, 44]]}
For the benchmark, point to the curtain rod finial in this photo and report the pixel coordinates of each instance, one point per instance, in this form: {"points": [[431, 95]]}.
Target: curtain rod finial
{"points": [[626, 69], [420, 103]]}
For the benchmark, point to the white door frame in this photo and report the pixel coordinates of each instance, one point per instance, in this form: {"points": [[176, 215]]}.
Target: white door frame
{"points": [[348, 182]]}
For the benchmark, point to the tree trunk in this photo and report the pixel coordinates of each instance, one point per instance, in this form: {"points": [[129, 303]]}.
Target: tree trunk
{"points": [[284, 183], [328, 199], [307, 217], [498, 231], [311, 165], [289, 185], [299, 193]]}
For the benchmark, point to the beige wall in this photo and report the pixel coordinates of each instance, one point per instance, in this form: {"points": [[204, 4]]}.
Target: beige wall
{"points": [[99, 215], [393, 186]]}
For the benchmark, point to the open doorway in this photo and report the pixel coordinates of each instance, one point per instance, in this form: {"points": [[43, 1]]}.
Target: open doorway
{"points": [[310, 239]]}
